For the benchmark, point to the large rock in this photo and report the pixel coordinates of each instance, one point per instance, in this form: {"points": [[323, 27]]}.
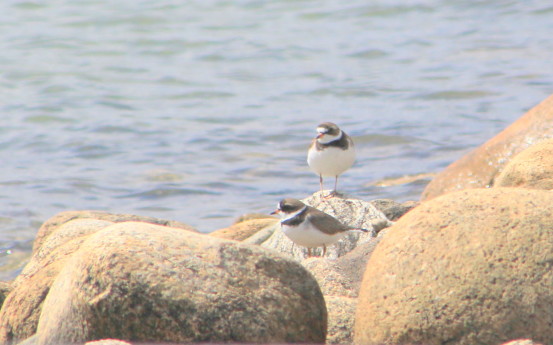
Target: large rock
{"points": [[479, 168], [57, 239], [471, 267], [151, 283], [354, 212], [532, 168]]}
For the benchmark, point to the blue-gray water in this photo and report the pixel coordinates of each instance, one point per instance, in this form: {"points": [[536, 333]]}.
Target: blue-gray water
{"points": [[200, 111]]}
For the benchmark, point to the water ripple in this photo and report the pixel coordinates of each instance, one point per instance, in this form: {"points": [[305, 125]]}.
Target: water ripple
{"points": [[166, 192], [202, 111]]}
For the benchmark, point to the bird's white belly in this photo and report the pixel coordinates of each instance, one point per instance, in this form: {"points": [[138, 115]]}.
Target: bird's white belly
{"points": [[331, 161], [307, 236]]}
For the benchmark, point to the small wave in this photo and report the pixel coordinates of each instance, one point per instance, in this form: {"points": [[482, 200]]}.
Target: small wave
{"points": [[162, 193]]}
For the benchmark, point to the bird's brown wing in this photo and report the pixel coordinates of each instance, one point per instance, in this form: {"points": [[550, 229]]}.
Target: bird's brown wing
{"points": [[326, 223]]}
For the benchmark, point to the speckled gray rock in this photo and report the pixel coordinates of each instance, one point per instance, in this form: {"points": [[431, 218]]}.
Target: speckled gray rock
{"points": [[354, 212], [341, 319], [332, 280], [343, 276], [394, 210], [340, 280], [151, 283], [340, 298]]}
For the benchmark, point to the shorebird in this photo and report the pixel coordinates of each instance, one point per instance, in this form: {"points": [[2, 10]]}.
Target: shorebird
{"points": [[309, 227], [330, 154]]}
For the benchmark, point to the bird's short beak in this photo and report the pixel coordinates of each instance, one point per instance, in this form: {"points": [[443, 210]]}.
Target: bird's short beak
{"points": [[275, 212], [320, 135]]}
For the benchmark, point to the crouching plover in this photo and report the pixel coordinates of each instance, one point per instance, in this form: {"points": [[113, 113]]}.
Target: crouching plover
{"points": [[331, 153], [309, 227]]}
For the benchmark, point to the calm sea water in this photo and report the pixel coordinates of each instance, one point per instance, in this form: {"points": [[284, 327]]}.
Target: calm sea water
{"points": [[200, 111]]}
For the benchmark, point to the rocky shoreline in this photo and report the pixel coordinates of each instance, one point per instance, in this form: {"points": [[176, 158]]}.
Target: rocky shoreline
{"points": [[472, 263]]}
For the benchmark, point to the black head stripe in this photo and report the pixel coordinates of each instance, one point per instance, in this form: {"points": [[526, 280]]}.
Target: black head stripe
{"points": [[295, 221], [342, 143]]}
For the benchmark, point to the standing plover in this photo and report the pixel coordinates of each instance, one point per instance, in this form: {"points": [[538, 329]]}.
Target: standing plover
{"points": [[309, 227], [331, 153]]}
